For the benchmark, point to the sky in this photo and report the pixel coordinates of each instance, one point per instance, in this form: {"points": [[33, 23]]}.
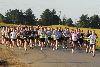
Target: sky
{"points": [[69, 8]]}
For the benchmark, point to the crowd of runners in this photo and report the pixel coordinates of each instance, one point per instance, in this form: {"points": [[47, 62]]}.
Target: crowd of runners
{"points": [[28, 36]]}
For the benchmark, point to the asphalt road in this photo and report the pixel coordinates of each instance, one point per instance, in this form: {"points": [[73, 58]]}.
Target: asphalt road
{"points": [[58, 58]]}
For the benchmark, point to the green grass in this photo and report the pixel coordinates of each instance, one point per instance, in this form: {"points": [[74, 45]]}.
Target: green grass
{"points": [[3, 24]]}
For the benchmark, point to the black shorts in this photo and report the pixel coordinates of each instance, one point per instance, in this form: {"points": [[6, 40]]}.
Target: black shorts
{"points": [[62, 38], [13, 39], [32, 38], [66, 38], [91, 45], [37, 37], [18, 37], [3, 36], [42, 39], [25, 38], [86, 42], [50, 39], [22, 39], [75, 42], [7, 39], [59, 40]]}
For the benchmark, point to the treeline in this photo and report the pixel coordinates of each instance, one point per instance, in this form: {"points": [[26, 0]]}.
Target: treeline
{"points": [[48, 17], [89, 22]]}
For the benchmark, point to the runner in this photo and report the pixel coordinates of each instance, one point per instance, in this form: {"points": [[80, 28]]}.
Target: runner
{"points": [[58, 35], [7, 37], [25, 34], [31, 38], [3, 34], [18, 37], [21, 40], [87, 40], [81, 39], [67, 35], [39, 31], [92, 38], [61, 37], [13, 37], [42, 38], [74, 41], [49, 38], [53, 36], [80, 35]]}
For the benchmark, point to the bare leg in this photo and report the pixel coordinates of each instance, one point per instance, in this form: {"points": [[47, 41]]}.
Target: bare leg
{"points": [[25, 45], [93, 49]]}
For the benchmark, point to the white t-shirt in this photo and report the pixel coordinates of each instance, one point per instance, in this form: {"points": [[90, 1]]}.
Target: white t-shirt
{"points": [[53, 36], [92, 39], [13, 35], [6, 34], [39, 32], [74, 37], [2, 31]]}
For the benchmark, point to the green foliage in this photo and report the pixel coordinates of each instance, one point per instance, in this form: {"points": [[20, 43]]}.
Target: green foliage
{"points": [[29, 17], [84, 21], [18, 17], [49, 17], [67, 22], [1, 17], [12, 16], [89, 22], [95, 21]]}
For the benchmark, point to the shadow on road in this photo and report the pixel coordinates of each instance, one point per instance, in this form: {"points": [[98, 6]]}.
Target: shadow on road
{"points": [[3, 63], [98, 50]]}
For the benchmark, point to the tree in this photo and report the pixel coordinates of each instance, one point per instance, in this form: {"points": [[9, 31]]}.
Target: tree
{"points": [[29, 17], [69, 22], [13, 16], [1, 17], [95, 21], [46, 17], [18, 17], [84, 21], [49, 17]]}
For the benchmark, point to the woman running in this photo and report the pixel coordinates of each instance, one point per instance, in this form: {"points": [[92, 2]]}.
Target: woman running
{"points": [[13, 36], [7, 37], [92, 38], [32, 38], [49, 33], [25, 32], [53, 36], [3, 34], [67, 35], [74, 41], [42, 38]]}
